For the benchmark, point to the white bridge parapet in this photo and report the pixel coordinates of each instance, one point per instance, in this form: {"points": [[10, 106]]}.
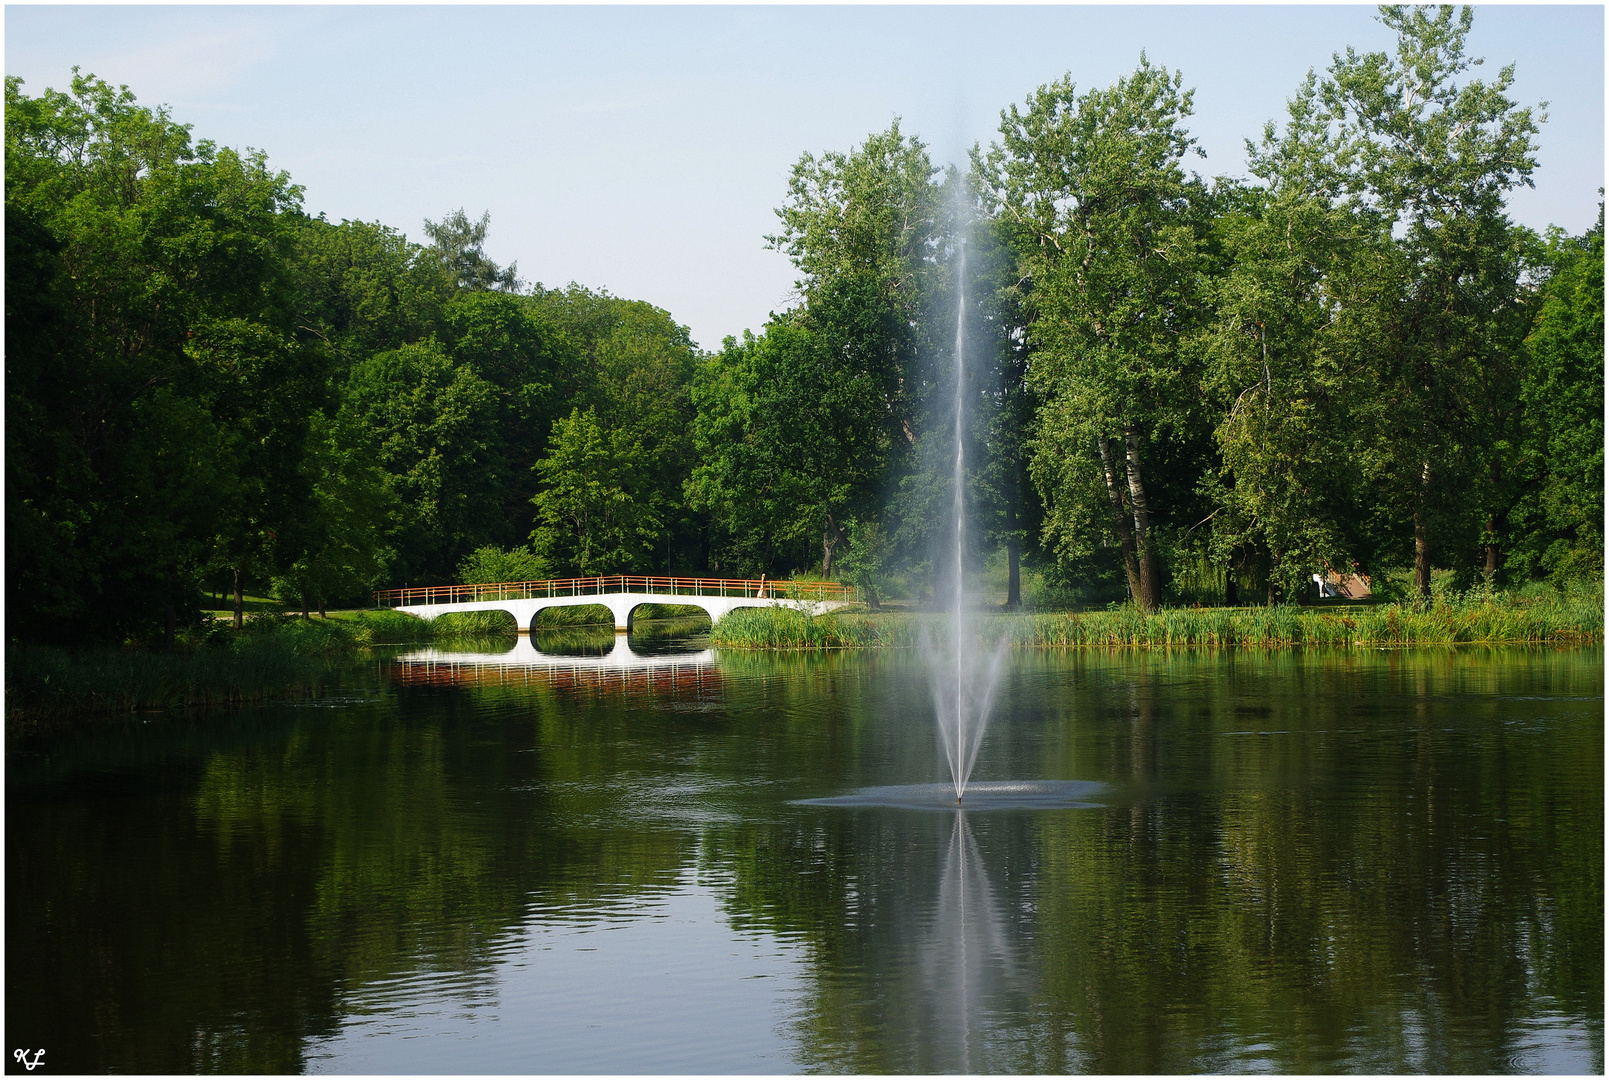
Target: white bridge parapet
{"points": [[622, 594]]}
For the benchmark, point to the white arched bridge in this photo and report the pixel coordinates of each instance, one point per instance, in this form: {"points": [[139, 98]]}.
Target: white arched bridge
{"points": [[622, 594]]}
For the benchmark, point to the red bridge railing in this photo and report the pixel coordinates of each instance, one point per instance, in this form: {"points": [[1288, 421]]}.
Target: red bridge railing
{"points": [[657, 585]]}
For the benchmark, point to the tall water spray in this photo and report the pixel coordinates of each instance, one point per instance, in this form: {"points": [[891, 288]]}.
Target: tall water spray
{"points": [[962, 693]]}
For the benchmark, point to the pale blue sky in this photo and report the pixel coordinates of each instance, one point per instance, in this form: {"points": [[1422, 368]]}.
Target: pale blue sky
{"points": [[644, 149]]}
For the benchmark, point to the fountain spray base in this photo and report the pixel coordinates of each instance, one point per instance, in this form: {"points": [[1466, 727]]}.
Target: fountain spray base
{"points": [[980, 796]]}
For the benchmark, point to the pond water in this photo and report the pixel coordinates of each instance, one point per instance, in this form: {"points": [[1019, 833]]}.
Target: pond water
{"points": [[505, 861]]}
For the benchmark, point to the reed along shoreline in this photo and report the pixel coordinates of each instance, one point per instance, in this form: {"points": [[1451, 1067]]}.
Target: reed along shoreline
{"points": [[1567, 621]]}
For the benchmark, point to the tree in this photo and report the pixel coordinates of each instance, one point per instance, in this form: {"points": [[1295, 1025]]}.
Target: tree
{"points": [[367, 287], [164, 270], [589, 517], [345, 550], [1287, 355], [433, 427], [788, 437], [493, 565], [866, 229], [1091, 189], [536, 371], [1436, 158], [458, 247], [873, 213], [1005, 496], [865, 561], [635, 368], [1563, 397]]}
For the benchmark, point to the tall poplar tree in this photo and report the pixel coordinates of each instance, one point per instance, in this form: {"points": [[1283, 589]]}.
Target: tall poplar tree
{"points": [[1110, 230], [1288, 354], [1437, 158], [865, 230]]}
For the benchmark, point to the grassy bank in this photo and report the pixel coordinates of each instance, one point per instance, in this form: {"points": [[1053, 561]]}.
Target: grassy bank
{"points": [[1541, 620]]}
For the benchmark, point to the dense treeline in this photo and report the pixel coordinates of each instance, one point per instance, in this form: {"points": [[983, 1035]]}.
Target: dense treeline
{"points": [[1178, 387], [1348, 361], [208, 389]]}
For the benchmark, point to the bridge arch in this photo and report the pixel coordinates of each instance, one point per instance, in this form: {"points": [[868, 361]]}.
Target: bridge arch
{"points": [[602, 613]]}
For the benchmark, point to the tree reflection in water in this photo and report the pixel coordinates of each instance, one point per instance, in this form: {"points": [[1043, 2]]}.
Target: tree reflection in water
{"points": [[1302, 863]]}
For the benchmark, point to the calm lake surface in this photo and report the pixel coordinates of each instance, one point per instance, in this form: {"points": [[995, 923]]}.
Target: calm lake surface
{"points": [[1321, 862]]}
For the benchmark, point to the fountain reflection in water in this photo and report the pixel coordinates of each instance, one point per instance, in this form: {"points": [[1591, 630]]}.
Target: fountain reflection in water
{"points": [[965, 673], [968, 964]]}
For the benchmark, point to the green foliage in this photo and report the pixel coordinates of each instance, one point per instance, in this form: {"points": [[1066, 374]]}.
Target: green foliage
{"points": [[833, 390], [433, 428], [344, 551], [576, 615], [1435, 158], [161, 278], [785, 628], [535, 368], [473, 624], [1286, 360], [791, 436], [1559, 621], [458, 249], [1563, 397], [368, 287], [492, 565], [635, 370], [872, 214], [1176, 388], [865, 563], [1091, 191], [590, 517]]}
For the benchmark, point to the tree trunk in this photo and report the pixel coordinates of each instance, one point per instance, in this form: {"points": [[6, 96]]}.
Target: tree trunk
{"points": [[1491, 547], [170, 611], [1150, 579], [240, 602], [1421, 538], [321, 612], [1013, 576], [1013, 568], [1421, 554], [1120, 519], [830, 535], [1231, 588]]}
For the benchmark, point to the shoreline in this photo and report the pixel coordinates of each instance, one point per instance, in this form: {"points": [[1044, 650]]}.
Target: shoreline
{"points": [[1567, 622], [281, 658]]}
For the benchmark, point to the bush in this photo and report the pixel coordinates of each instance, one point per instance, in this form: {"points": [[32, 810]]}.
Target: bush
{"points": [[492, 565]]}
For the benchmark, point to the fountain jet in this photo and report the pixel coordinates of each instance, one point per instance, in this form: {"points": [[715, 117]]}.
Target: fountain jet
{"points": [[962, 694]]}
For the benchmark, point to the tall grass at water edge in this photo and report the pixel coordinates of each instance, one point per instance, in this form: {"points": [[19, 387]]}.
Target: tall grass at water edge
{"points": [[1560, 620], [44, 683], [275, 657]]}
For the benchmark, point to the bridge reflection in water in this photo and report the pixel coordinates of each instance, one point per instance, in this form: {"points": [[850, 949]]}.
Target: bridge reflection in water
{"points": [[618, 671]]}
